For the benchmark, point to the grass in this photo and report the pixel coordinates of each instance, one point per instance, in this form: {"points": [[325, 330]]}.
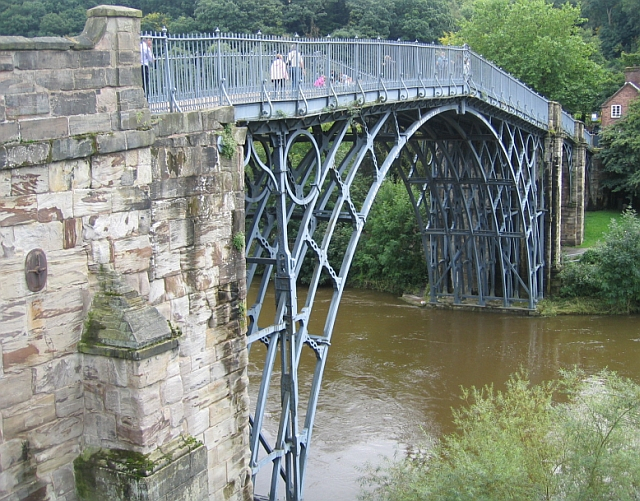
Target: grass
{"points": [[550, 307], [595, 224]]}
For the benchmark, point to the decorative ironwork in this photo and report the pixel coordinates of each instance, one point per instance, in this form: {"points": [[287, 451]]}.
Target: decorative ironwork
{"points": [[474, 179]]}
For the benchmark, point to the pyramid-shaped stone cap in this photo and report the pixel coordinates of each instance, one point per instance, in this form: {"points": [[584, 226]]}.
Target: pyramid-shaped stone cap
{"points": [[122, 324]]}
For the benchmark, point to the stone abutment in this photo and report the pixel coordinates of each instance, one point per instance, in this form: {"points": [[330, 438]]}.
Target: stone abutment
{"points": [[122, 355]]}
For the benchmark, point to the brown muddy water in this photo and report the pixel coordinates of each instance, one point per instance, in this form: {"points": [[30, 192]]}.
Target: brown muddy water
{"points": [[394, 372]]}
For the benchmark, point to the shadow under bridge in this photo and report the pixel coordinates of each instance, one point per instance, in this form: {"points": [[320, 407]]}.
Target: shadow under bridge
{"points": [[474, 177]]}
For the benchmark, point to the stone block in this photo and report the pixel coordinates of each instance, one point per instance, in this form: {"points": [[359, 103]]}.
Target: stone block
{"points": [[139, 282], [156, 292], [89, 124], [100, 252], [47, 236], [71, 148], [46, 60], [70, 400], [107, 170], [28, 104], [6, 61], [162, 210], [90, 78], [56, 206], [64, 482], [73, 103], [111, 143], [130, 99], [140, 138], [12, 452], [130, 199], [18, 210], [106, 370], [52, 434], [132, 254], [94, 58], [7, 244], [56, 457], [114, 225], [9, 132], [91, 202], [29, 180], [73, 174], [40, 129], [134, 119], [99, 428], [127, 76], [221, 115], [54, 80], [169, 124], [106, 100], [56, 374], [72, 229], [28, 415], [181, 233], [20, 155], [165, 262], [15, 388]]}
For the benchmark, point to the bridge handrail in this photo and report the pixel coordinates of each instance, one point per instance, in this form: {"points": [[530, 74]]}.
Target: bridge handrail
{"points": [[196, 71]]}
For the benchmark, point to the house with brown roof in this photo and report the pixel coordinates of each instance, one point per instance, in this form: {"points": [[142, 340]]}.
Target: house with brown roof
{"points": [[616, 106]]}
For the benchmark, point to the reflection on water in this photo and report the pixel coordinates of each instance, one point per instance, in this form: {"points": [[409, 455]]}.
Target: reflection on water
{"points": [[394, 372]]}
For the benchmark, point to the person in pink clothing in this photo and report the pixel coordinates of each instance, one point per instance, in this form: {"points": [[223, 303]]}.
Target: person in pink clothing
{"points": [[279, 74]]}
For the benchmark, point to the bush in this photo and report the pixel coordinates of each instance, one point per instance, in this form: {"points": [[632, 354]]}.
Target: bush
{"points": [[610, 271], [521, 444]]}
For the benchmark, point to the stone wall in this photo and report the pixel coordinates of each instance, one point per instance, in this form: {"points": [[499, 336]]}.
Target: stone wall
{"points": [[128, 339]]}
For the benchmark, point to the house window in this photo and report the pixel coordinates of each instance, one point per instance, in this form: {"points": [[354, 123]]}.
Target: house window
{"points": [[616, 110]]}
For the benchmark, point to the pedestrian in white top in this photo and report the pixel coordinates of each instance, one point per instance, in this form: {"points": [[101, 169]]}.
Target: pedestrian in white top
{"points": [[279, 74], [146, 57], [296, 63]]}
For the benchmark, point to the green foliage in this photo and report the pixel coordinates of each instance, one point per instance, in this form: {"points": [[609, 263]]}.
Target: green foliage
{"points": [[581, 278], [619, 262], [238, 241], [229, 145], [620, 152], [611, 271], [521, 444], [539, 44], [390, 255]]}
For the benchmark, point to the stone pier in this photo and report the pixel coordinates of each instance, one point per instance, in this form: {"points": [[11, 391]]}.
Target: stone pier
{"points": [[122, 356]]}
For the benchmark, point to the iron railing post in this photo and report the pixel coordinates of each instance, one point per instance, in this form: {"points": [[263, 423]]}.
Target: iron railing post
{"points": [[167, 71]]}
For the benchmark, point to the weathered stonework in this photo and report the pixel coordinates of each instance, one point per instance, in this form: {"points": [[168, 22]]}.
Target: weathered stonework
{"points": [[134, 345]]}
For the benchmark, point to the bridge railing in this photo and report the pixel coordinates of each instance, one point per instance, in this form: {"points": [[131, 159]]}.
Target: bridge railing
{"points": [[204, 70]]}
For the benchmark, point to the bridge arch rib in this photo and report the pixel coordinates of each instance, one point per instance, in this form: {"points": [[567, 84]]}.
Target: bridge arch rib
{"points": [[473, 179]]}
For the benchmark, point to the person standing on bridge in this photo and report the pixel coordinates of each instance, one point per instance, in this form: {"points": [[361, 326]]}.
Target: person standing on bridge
{"points": [[279, 75], [146, 57], [296, 63]]}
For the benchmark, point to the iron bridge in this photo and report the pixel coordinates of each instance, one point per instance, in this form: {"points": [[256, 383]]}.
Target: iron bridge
{"points": [[466, 139]]}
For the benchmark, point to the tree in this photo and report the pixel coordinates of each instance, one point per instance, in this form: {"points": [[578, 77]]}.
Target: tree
{"points": [[390, 254], [422, 20], [539, 44], [620, 152], [520, 444], [240, 16]]}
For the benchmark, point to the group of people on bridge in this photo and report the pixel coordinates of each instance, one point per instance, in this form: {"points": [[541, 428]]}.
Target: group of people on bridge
{"points": [[291, 67], [285, 68]]}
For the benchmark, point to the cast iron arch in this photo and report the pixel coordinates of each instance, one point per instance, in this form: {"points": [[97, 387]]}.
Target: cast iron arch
{"points": [[482, 243]]}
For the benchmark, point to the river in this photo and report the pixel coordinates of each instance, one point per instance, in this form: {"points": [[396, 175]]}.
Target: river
{"points": [[394, 372]]}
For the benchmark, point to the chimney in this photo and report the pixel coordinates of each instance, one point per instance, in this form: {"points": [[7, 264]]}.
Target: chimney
{"points": [[632, 74]]}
